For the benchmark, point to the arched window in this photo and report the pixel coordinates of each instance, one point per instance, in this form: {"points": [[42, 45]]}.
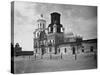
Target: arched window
{"points": [[61, 29], [59, 50], [65, 50], [48, 41], [50, 49], [40, 25], [36, 44], [35, 50], [53, 41], [91, 48], [43, 25]]}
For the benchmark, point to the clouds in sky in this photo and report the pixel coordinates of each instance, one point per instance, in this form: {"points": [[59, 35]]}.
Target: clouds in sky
{"points": [[81, 20]]}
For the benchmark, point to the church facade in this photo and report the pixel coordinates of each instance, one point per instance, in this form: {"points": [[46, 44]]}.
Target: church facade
{"points": [[53, 39]]}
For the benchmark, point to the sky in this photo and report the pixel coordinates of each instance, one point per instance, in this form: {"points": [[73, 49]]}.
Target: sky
{"points": [[81, 20]]}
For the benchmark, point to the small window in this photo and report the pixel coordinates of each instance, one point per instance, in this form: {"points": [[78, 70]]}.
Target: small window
{"points": [[50, 49], [65, 50], [43, 25], [36, 44], [50, 41], [82, 48], [53, 41], [59, 50], [36, 50], [91, 48], [40, 25]]}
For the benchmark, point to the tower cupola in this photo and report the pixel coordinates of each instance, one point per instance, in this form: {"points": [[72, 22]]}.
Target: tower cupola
{"points": [[41, 22]]}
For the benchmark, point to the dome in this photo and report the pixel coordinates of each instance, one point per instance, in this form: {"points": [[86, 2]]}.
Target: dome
{"points": [[41, 18]]}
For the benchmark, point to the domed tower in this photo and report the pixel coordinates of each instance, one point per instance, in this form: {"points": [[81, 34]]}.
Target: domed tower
{"points": [[40, 36], [41, 23]]}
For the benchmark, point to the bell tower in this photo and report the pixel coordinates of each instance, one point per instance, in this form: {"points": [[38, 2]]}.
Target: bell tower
{"points": [[55, 17], [55, 32], [55, 20], [40, 36]]}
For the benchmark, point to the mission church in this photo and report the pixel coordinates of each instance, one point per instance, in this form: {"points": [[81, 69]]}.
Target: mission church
{"points": [[53, 39]]}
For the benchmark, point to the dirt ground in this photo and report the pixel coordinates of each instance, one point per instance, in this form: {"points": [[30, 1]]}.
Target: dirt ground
{"points": [[28, 64]]}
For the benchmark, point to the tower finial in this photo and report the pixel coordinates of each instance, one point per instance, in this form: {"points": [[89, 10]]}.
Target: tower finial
{"points": [[42, 15]]}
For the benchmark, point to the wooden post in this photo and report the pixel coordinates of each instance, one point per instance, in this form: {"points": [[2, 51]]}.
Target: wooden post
{"points": [[41, 56], [50, 56], [61, 55], [75, 56], [35, 56]]}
